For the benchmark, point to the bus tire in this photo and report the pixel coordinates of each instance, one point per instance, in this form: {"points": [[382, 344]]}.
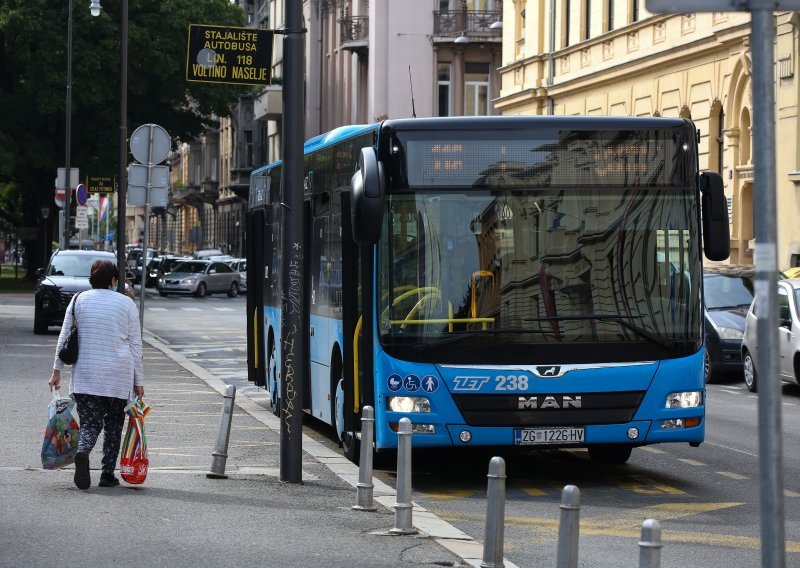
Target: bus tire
{"points": [[610, 453]]}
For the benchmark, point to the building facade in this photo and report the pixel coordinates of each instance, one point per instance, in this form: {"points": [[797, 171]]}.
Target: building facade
{"points": [[601, 57]]}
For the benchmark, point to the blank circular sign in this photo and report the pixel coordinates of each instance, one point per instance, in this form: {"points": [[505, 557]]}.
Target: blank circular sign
{"points": [[140, 142]]}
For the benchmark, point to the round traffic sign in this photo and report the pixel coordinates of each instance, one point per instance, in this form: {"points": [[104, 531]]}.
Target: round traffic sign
{"points": [[143, 150], [81, 194]]}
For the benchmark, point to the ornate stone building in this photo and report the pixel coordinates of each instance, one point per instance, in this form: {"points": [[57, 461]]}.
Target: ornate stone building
{"points": [[607, 57]]}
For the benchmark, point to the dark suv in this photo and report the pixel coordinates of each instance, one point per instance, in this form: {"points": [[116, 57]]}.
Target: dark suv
{"points": [[65, 275]]}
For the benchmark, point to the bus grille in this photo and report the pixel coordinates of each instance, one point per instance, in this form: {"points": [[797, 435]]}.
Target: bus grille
{"points": [[526, 409]]}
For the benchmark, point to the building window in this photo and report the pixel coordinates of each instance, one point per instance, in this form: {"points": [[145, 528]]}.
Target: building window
{"points": [[566, 17], [634, 10], [443, 75], [587, 19], [610, 15], [476, 89]]}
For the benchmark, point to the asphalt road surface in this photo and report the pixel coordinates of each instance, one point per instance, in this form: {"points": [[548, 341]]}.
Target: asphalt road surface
{"points": [[706, 498]]}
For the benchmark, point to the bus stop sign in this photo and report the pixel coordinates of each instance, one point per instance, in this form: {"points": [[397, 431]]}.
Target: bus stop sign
{"points": [[683, 6]]}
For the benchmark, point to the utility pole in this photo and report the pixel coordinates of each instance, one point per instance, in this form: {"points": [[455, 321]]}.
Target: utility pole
{"points": [[294, 315]]}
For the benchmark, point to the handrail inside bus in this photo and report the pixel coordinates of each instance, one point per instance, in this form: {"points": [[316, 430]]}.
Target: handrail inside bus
{"points": [[449, 321]]}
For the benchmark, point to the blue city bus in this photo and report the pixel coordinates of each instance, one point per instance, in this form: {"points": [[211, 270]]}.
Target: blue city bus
{"points": [[500, 281]]}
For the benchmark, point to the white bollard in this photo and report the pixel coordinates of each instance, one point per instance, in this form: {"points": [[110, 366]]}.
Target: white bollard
{"points": [[403, 507], [364, 487]]}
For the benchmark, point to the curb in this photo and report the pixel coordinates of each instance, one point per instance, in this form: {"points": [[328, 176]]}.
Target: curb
{"points": [[442, 532]]}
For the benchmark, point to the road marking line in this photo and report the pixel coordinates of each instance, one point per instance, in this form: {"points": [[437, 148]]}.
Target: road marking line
{"points": [[533, 491], [732, 449], [733, 475], [691, 462], [191, 310], [223, 309], [454, 494], [652, 450], [156, 309], [788, 493]]}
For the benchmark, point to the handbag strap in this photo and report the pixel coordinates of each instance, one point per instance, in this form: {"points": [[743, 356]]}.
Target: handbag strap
{"points": [[75, 301]]}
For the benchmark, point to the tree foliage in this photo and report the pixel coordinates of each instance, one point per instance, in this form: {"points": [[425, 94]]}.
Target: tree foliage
{"points": [[33, 78]]}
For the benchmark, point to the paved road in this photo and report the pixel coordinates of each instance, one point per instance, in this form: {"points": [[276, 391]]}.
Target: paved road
{"points": [[706, 498]]}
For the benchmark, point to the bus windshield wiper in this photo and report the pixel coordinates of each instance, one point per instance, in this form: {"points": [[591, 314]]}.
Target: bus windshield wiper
{"points": [[621, 320], [457, 336]]}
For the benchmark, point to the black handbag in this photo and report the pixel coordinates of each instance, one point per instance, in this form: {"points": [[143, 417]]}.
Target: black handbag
{"points": [[69, 351]]}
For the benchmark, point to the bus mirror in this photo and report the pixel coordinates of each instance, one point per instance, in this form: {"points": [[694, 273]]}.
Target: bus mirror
{"points": [[366, 203], [716, 230]]}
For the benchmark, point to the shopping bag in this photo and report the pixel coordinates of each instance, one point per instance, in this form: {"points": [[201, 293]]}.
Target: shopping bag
{"points": [[60, 442], [133, 463]]}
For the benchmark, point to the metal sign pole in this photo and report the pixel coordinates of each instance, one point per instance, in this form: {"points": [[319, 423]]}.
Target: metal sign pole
{"points": [[773, 551], [294, 313], [148, 187]]}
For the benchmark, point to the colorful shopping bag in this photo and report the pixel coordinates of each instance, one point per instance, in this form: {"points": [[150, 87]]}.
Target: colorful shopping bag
{"points": [[60, 442], [133, 463]]}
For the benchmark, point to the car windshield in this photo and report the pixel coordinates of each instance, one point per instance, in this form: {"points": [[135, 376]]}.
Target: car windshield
{"points": [[72, 265], [727, 291], [191, 267], [171, 263]]}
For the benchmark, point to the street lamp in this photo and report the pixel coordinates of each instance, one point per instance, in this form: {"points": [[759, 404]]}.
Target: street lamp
{"points": [[95, 8]]}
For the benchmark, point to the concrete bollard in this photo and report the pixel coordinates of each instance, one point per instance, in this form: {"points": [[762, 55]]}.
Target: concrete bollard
{"points": [[495, 514], [568, 528], [220, 454], [364, 487], [403, 506], [650, 545]]}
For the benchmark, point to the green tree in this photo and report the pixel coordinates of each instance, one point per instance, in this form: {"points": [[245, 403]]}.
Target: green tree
{"points": [[33, 70]]}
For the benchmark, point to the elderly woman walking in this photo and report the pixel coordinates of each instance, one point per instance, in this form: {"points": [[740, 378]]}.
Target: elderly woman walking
{"points": [[108, 370]]}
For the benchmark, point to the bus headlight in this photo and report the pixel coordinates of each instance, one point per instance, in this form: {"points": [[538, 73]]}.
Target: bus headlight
{"points": [[408, 404], [684, 399]]}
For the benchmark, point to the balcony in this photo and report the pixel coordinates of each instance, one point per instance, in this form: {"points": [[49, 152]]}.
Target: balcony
{"points": [[476, 25], [268, 104], [354, 33]]}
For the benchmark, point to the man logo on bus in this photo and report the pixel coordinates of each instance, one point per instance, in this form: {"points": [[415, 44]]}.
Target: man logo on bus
{"points": [[469, 383], [534, 403], [550, 371]]}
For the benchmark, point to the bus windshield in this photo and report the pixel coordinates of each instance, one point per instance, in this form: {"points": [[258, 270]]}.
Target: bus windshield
{"points": [[462, 271]]}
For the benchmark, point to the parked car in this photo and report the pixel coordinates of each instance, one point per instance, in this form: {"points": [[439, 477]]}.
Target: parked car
{"points": [[240, 266], [135, 262], [793, 272], [160, 266], [66, 274], [788, 364], [206, 254], [728, 292], [200, 277]]}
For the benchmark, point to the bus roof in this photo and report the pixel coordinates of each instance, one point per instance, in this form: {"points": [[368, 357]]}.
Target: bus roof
{"points": [[540, 121], [328, 139], [489, 122]]}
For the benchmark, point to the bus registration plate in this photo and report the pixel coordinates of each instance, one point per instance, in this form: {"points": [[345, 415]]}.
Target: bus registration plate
{"points": [[543, 436]]}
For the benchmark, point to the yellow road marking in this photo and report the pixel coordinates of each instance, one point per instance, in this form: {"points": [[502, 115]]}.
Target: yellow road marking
{"points": [[454, 494], [644, 486], [631, 527]]}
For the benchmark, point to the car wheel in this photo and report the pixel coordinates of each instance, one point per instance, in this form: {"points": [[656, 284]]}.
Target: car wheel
{"points": [[201, 290], [39, 325], [750, 377], [707, 368], [234, 290], [610, 453]]}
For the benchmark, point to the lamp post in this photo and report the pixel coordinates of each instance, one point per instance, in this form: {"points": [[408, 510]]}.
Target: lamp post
{"points": [[95, 9], [68, 145]]}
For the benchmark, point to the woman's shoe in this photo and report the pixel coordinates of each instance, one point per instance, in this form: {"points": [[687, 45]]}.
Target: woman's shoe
{"points": [[108, 480], [82, 477]]}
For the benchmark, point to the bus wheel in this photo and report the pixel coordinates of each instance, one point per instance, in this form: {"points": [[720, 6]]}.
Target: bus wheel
{"points": [[610, 453], [349, 442], [272, 379]]}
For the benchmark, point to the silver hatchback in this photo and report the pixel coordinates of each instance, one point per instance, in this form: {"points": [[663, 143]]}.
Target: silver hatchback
{"points": [[200, 277], [788, 366]]}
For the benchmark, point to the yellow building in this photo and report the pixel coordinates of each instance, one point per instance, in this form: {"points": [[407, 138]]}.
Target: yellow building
{"points": [[612, 57]]}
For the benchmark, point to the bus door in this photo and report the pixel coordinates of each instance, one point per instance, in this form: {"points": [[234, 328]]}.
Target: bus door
{"points": [[320, 267], [254, 252]]}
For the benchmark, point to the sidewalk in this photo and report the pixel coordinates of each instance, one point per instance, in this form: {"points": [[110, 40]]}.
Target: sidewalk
{"points": [[179, 517]]}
